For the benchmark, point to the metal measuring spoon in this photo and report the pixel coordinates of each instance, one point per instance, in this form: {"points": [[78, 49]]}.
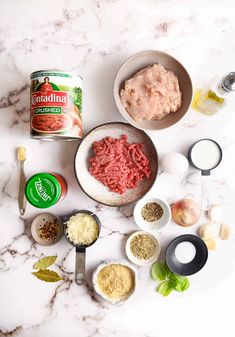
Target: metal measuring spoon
{"points": [[205, 155], [80, 249]]}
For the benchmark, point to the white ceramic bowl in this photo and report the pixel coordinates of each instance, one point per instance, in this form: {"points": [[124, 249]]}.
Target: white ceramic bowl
{"points": [[140, 61], [133, 258], [100, 293], [155, 226]]}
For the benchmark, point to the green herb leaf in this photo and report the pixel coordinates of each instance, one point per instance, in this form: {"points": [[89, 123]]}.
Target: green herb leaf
{"points": [[173, 277], [47, 275], [158, 271], [165, 288], [182, 284], [45, 262]]}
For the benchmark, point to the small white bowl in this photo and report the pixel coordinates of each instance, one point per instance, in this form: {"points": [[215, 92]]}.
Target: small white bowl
{"points": [[100, 293], [154, 226], [133, 258]]}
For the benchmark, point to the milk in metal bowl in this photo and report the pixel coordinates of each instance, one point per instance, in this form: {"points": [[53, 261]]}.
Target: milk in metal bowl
{"points": [[206, 154], [56, 105]]}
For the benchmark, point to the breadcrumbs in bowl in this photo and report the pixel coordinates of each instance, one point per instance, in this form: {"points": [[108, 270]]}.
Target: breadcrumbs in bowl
{"points": [[115, 281]]}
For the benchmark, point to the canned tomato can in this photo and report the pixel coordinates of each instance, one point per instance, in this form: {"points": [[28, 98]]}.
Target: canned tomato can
{"points": [[44, 190], [56, 105]]}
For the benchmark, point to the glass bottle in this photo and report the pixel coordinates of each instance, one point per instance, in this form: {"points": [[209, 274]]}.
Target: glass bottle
{"points": [[211, 99]]}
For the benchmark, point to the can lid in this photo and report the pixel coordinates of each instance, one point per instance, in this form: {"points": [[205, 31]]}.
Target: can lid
{"points": [[43, 190]]}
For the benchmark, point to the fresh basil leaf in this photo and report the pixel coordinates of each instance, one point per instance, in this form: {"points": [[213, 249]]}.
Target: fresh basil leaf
{"points": [[173, 277], [182, 284], [165, 288], [158, 271], [168, 271]]}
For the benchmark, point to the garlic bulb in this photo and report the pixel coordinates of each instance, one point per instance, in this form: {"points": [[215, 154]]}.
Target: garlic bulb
{"points": [[207, 232], [215, 213], [225, 231], [211, 244]]}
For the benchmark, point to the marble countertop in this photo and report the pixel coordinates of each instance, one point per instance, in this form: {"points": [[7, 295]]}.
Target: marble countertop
{"points": [[93, 38]]}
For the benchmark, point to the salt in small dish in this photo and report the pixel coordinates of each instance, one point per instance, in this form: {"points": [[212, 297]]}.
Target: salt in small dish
{"points": [[39, 222], [195, 264], [153, 226], [136, 260]]}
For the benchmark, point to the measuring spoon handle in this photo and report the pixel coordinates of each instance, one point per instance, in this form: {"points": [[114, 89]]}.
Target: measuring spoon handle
{"points": [[205, 194], [80, 266]]}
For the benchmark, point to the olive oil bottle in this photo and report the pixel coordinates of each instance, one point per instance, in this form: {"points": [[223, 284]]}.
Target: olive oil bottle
{"points": [[211, 100]]}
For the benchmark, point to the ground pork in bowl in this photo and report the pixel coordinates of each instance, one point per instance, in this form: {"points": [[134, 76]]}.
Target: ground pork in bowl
{"points": [[152, 90]]}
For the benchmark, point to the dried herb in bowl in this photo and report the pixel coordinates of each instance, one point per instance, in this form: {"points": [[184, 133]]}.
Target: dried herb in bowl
{"points": [[152, 211], [143, 247]]}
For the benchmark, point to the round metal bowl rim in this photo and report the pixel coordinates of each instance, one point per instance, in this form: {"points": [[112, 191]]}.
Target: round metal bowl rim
{"points": [[89, 213]]}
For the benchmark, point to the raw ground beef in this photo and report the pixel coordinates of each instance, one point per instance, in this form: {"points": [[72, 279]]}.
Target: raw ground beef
{"points": [[118, 164]]}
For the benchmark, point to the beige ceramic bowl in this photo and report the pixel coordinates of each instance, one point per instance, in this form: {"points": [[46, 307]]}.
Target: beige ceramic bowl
{"points": [[140, 61], [104, 296], [93, 187]]}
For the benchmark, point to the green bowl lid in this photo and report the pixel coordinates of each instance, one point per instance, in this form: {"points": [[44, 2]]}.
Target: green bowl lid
{"points": [[43, 190]]}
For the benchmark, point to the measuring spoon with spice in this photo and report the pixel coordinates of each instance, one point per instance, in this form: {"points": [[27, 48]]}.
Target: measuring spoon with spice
{"points": [[81, 229]]}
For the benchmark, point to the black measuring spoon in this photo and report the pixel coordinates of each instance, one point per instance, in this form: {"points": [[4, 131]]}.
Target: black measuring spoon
{"points": [[80, 249]]}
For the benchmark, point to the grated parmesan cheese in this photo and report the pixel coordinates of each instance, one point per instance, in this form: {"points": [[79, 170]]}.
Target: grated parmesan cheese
{"points": [[82, 229]]}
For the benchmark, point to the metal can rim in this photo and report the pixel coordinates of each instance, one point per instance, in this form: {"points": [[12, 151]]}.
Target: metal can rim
{"points": [[53, 70]]}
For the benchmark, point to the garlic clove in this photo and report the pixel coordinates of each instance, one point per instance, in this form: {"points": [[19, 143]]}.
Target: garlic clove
{"points": [[215, 213], [207, 232], [225, 231], [212, 244]]}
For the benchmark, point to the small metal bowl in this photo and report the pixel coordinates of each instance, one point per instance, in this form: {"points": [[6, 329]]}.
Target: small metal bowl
{"points": [[101, 294], [39, 221]]}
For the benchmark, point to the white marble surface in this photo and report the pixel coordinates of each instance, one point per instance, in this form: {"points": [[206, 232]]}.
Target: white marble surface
{"points": [[93, 38]]}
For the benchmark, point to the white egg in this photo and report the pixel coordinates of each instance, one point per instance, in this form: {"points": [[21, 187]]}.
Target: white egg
{"points": [[174, 163]]}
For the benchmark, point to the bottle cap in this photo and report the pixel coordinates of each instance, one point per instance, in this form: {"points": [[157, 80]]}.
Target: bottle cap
{"points": [[228, 82]]}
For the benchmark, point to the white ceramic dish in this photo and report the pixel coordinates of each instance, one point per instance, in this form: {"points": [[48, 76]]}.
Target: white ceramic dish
{"points": [[155, 226], [93, 187], [39, 221], [134, 259], [102, 295], [140, 61]]}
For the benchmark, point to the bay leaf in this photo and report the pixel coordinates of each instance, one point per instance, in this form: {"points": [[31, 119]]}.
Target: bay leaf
{"points": [[45, 262], [47, 275]]}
